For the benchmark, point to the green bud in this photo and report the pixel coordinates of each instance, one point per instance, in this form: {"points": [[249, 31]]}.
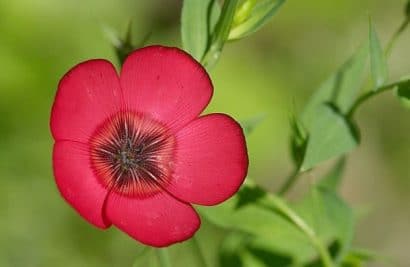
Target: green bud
{"points": [[298, 141]]}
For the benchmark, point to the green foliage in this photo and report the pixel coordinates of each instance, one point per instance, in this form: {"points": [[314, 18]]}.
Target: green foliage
{"points": [[340, 89], [330, 216], [220, 34], [197, 22], [359, 258], [378, 63], [237, 250], [330, 135], [269, 228], [205, 28], [403, 92], [252, 15]]}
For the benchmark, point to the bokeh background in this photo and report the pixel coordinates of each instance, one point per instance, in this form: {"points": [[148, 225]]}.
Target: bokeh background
{"points": [[272, 72]]}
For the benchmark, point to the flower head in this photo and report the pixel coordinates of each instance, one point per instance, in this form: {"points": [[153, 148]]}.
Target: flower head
{"points": [[131, 149]]}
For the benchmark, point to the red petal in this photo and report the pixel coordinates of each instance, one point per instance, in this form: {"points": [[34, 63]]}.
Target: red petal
{"points": [[211, 160], [166, 83], [159, 220], [87, 94], [77, 182]]}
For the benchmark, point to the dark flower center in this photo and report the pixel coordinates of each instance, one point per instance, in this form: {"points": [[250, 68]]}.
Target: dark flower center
{"points": [[132, 154]]}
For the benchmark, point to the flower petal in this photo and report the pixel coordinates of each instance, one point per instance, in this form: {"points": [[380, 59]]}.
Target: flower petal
{"points": [[165, 83], [211, 160], [77, 183], [159, 220], [89, 93]]}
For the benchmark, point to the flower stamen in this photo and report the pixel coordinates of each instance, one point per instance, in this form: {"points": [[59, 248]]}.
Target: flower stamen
{"points": [[132, 154]]}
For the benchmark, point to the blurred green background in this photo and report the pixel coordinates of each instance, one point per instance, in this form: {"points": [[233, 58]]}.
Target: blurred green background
{"points": [[271, 72]]}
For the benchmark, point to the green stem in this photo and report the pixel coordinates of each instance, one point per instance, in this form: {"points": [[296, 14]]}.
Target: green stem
{"points": [[289, 182], [388, 50], [163, 257], [368, 95], [396, 35], [282, 207], [198, 252], [140, 255]]}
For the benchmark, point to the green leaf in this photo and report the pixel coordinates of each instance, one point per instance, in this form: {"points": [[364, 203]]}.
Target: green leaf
{"points": [[250, 124], [331, 135], [238, 250], [258, 16], [357, 257], [331, 218], [270, 230], [378, 63], [403, 92], [332, 179], [214, 14], [220, 34], [231, 250], [253, 211], [261, 256], [339, 89], [224, 24], [196, 24]]}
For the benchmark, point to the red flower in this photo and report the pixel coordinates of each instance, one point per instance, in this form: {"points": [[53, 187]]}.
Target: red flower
{"points": [[130, 150]]}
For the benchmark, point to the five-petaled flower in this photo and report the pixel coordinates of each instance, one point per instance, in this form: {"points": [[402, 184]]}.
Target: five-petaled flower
{"points": [[130, 149]]}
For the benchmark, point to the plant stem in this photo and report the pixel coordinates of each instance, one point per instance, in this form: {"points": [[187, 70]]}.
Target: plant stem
{"points": [[282, 207], [388, 50], [198, 252], [143, 251], [395, 36], [368, 95], [163, 257], [289, 182]]}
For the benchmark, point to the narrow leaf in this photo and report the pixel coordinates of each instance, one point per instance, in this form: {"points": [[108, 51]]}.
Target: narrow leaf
{"points": [[330, 135], [339, 89], [378, 63], [220, 34], [214, 12], [194, 26], [224, 24], [260, 14]]}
